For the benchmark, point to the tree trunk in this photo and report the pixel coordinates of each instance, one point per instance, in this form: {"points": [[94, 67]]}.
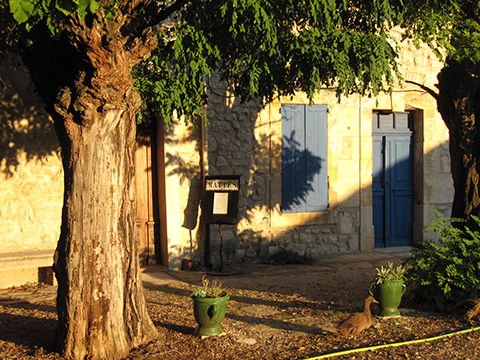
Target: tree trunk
{"points": [[101, 307], [85, 80], [458, 103]]}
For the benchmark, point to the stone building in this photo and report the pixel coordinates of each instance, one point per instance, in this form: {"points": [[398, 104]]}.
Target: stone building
{"points": [[315, 178], [384, 162]]}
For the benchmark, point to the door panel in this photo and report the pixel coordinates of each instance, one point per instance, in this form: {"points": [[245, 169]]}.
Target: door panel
{"points": [[148, 218], [400, 182], [378, 189]]}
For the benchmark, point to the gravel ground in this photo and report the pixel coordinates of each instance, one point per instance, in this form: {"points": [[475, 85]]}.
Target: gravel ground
{"points": [[275, 312]]}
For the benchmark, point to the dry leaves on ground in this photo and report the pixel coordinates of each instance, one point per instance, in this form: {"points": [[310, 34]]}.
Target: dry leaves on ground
{"points": [[274, 313]]}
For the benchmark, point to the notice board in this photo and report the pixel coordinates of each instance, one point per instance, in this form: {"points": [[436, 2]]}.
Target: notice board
{"points": [[221, 199]]}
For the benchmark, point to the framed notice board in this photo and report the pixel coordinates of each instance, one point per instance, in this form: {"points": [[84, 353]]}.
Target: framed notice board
{"points": [[221, 199]]}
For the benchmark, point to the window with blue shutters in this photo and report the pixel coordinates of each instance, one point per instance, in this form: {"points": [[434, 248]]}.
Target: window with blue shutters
{"points": [[304, 158]]}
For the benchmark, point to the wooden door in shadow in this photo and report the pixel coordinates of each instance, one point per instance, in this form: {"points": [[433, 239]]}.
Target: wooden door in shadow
{"points": [[150, 195]]}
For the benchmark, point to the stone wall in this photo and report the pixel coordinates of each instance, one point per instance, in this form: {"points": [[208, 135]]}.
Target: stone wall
{"points": [[183, 191], [31, 184], [240, 139], [245, 139]]}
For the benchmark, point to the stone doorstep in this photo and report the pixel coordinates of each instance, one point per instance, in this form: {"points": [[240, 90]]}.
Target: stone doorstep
{"points": [[26, 259], [19, 268]]}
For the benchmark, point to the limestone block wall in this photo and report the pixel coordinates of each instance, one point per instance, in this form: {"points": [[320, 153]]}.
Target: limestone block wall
{"points": [[31, 182], [245, 139], [31, 177], [240, 139]]}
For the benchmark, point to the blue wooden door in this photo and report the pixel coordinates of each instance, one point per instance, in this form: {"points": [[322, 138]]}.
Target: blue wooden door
{"points": [[392, 179]]}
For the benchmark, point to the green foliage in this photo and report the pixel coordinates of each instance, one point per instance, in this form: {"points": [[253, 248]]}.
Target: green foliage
{"points": [[209, 290], [87, 6], [390, 272], [451, 27], [22, 10], [306, 45], [260, 48], [51, 12], [173, 78], [264, 48], [448, 270]]}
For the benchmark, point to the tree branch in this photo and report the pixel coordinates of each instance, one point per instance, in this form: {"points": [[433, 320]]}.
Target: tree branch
{"points": [[151, 16], [425, 88], [141, 46]]}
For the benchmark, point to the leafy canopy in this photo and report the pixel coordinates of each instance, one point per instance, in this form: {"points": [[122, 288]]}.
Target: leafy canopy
{"points": [[31, 12], [261, 48], [266, 48], [451, 27]]}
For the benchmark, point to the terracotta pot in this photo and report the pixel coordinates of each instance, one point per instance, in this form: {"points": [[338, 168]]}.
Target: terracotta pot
{"points": [[187, 264]]}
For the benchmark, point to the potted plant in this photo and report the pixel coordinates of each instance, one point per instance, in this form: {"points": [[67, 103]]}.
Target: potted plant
{"points": [[209, 306], [388, 287]]}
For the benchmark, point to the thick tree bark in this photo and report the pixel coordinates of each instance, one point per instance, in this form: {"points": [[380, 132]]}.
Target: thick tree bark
{"points": [[458, 103], [86, 82], [100, 303]]}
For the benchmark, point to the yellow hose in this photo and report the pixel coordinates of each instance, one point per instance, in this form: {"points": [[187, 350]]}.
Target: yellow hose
{"points": [[408, 342]]}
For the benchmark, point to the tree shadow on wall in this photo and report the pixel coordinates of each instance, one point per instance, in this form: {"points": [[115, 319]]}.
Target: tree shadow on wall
{"points": [[187, 168], [177, 163], [268, 154], [243, 139], [304, 166], [25, 128]]}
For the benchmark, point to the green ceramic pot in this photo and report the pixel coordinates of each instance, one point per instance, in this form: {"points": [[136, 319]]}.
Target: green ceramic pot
{"points": [[389, 295], [209, 314]]}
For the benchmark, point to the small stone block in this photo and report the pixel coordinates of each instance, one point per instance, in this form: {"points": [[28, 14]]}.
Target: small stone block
{"points": [[45, 275], [203, 337]]}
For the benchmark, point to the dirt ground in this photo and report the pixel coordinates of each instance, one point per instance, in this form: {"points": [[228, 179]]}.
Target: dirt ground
{"points": [[275, 312]]}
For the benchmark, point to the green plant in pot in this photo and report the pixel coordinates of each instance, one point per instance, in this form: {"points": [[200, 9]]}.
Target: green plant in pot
{"points": [[388, 287], [209, 306]]}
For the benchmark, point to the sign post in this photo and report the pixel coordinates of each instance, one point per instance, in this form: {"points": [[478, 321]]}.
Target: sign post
{"points": [[221, 205]]}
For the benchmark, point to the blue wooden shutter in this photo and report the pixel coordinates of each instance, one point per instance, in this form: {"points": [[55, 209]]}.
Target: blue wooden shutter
{"points": [[304, 158], [316, 146]]}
